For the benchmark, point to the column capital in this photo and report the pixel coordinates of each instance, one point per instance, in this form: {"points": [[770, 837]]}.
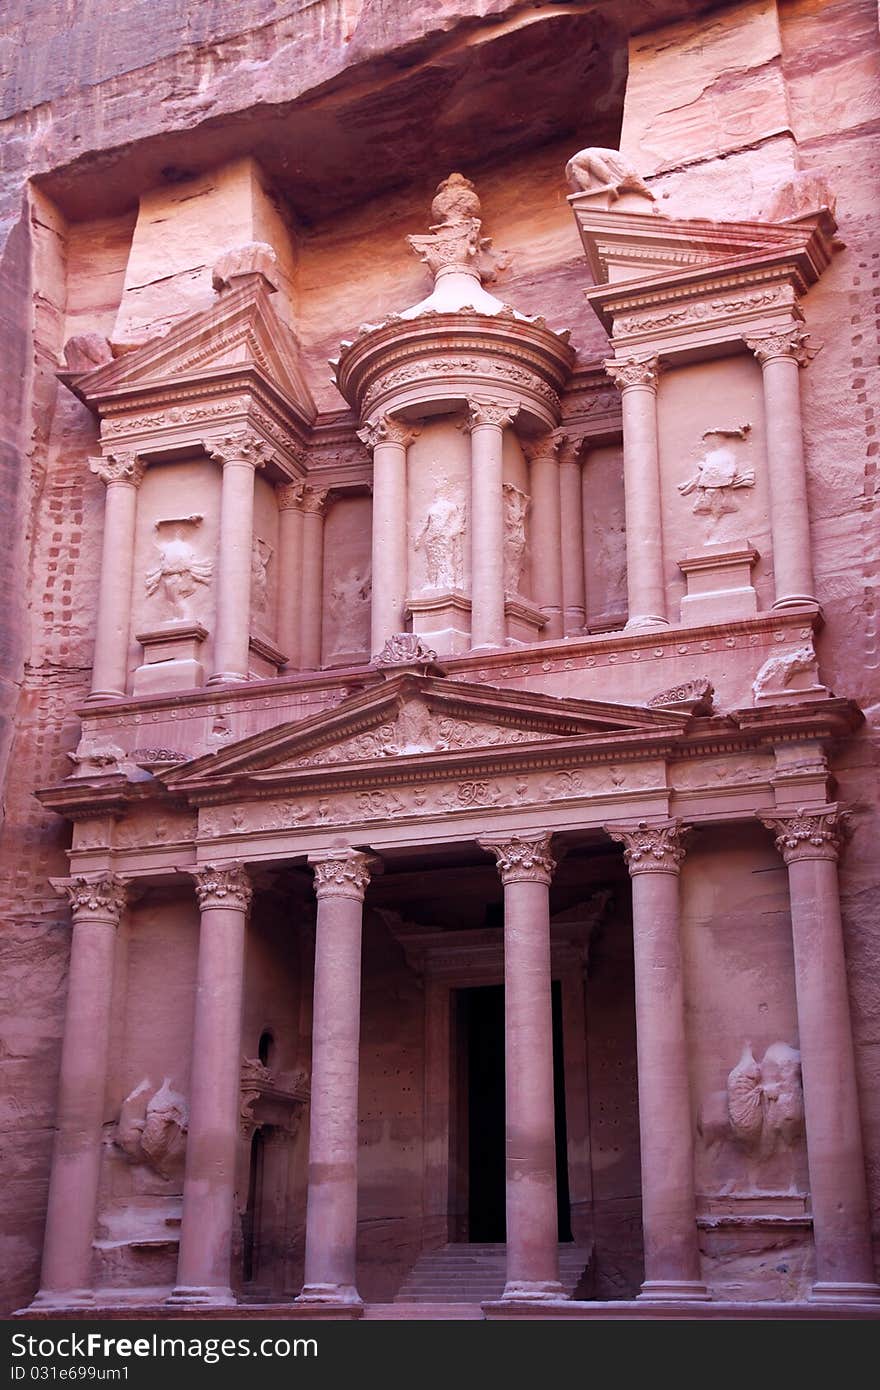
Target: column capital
{"points": [[788, 342], [289, 496], [545, 446], [651, 847], [343, 873], [569, 445], [242, 447], [226, 886], [95, 897], [119, 468], [523, 858], [495, 413], [810, 834], [630, 372], [387, 430], [314, 500]]}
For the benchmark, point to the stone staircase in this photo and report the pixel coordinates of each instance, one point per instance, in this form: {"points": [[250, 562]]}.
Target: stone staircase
{"points": [[456, 1274]]}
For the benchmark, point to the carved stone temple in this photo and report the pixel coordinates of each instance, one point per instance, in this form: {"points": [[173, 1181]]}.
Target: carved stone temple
{"points": [[439, 868]]}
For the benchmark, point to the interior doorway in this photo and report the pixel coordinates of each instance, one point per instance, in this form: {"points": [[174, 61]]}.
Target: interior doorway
{"points": [[479, 1115]]}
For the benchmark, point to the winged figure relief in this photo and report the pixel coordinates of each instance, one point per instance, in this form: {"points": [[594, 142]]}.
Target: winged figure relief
{"points": [[765, 1102]]}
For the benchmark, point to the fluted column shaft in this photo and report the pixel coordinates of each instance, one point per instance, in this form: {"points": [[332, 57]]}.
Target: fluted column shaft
{"points": [[571, 509], [311, 617], [240, 455], [637, 382], [653, 855], [341, 879], [389, 440], [781, 356], [96, 904], [809, 842], [290, 570], [203, 1272], [544, 476], [122, 474], [487, 421], [526, 867]]}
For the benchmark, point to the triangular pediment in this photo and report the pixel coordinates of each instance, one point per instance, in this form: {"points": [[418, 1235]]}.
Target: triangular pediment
{"points": [[418, 718], [242, 329]]}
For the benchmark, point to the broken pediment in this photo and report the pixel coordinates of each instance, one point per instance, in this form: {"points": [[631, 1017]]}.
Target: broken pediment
{"points": [[241, 331], [423, 717]]}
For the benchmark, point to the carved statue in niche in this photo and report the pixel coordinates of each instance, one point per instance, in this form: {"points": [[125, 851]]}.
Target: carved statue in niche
{"points": [[179, 571], [516, 506], [152, 1127], [718, 475], [752, 1130], [347, 610], [441, 538], [261, 554], [600, 170]]}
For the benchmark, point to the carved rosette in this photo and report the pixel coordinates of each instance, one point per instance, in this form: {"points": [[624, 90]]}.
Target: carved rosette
{"points": [[523, 858], [242, 447], [119, 468], [387, 430], [495, 413], [345, 874], [791, 342], [651, 848], [810, 834], [630, 372], [100, 898], [289, 496], [228, 887]]}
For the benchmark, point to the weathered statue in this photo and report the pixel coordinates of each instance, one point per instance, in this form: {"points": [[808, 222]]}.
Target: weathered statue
{"points": [[153, 1131], [765, 1101], [516, 506], [440, 537], [718, 475], [347, 610], [599, 170], [261, 554], [179, 571]]}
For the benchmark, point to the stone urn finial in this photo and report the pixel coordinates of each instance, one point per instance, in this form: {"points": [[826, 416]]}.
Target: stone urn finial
{"points": [[456, 200]]}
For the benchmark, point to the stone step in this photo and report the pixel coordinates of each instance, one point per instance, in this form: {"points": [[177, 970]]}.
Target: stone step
{"points": [[422, 1312], [463, 1274]]}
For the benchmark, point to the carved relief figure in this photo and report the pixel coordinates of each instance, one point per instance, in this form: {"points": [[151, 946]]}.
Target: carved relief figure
{"points": [[179, 571], [152, 1130], [752, 1130], [516, 506], [600, 170], [347, 611], [261, 554], [778, 672], [441, 538], [717, 476]]}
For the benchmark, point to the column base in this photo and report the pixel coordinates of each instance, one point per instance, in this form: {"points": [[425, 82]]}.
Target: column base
{"points": [[645, 620], [62, 1298], [664, 1290], [832, 1291], [795, 601], [333, 1294], [193, 1296], [100, 697], [532, 1291], [226, 678]]}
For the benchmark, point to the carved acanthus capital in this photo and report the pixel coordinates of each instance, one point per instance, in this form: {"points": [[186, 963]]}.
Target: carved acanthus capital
{"points": [[523, 858], [546, 446], [387, 430], [229, 886], [241, 447], [651, 848], [791, 342], [101, 897], [342, 874], [450, 247], [490, 413], [629, 372], [810, 834], [290, 496], [569, 446], [119, 468], [314, 500]]}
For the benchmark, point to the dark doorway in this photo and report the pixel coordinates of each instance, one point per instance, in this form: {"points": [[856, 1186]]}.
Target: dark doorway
{"points": [[251, 1220], [481, 1024]]}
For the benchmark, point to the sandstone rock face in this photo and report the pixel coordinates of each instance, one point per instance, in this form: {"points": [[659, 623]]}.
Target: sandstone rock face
{"points": [[223, 195]]}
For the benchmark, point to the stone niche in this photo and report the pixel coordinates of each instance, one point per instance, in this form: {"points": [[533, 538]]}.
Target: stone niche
{"points": [[604, 523], [347, 583]]}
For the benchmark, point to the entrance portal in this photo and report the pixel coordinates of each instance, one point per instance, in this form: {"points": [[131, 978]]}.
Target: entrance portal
{"points": [[480, 1161]]}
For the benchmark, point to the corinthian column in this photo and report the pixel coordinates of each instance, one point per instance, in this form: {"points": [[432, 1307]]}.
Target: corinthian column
{"points": [[546, 530], [572, 548], [486, 422], [341, 879], [526, 867], [809, 842], [224, 896], [781, 356], [653, 855], [122, 474], [314, 502], [389, 440], [241, 455], [96, 905], [637, 383], [290, 570]]}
